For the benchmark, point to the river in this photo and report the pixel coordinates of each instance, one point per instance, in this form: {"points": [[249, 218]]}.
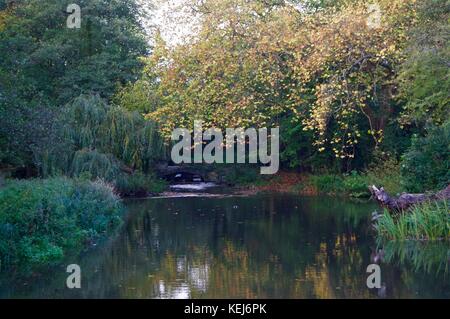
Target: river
{"points": [[259, 246]]}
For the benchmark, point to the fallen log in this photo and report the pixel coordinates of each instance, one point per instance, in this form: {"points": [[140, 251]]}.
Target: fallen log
{"points": [[405, 200]]}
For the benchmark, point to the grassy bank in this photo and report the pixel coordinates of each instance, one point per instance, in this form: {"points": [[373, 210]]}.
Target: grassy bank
{"points": [[428, 221], [355, 184], [43, 221]]}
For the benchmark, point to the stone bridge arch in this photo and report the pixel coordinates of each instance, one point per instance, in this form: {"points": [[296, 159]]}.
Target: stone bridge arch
{"points": [[182, 173]]}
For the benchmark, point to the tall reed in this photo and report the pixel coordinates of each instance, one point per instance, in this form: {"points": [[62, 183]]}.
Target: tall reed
{"points": [[427, 221]]}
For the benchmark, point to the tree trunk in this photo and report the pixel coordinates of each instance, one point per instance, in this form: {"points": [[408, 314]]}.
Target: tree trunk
{"points": [[405, 201]]}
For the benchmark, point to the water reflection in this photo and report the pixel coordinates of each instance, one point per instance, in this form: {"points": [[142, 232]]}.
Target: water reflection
{"points": [[267, 246], [433, 259]]}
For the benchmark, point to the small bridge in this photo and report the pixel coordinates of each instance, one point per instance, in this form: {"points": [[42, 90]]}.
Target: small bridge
{"points": [[182, 173]]}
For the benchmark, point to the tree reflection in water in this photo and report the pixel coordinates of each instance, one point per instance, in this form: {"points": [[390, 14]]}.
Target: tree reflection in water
{"points": [[266, 246]]}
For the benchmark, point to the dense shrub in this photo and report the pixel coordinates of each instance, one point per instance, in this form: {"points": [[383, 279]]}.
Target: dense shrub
{"points": [[426, 165], [42, 221], [138, 185], [355, 184], [386, 174], [241, 175]]}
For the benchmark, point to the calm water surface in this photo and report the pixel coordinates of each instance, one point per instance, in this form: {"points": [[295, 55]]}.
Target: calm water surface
{"points": [[264, 246]]}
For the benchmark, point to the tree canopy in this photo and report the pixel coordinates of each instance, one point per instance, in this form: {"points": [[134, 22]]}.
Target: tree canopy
{"points": [[44, 64], [257, 63], [349, 82]]}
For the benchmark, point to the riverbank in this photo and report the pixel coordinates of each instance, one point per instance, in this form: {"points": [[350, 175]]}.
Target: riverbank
{"points": [[353, 185], [283, 182]]}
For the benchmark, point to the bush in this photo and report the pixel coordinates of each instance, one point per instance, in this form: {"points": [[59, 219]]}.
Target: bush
{"points": [[428, 221], [241, 175], [42, 221], [327, 183], [386, 174], [426, 165], [355, 184], [139, 185]]}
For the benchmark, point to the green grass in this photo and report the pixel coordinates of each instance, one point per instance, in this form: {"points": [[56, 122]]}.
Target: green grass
{"points": [[327, 183], [428, 221], [43, 221], [354, 184]]}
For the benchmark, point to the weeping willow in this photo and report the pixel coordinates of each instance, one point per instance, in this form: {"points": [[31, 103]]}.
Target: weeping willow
{"points": [[85, 118], [100, 138], [132, 139], [93, 164], [113, 130]]}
